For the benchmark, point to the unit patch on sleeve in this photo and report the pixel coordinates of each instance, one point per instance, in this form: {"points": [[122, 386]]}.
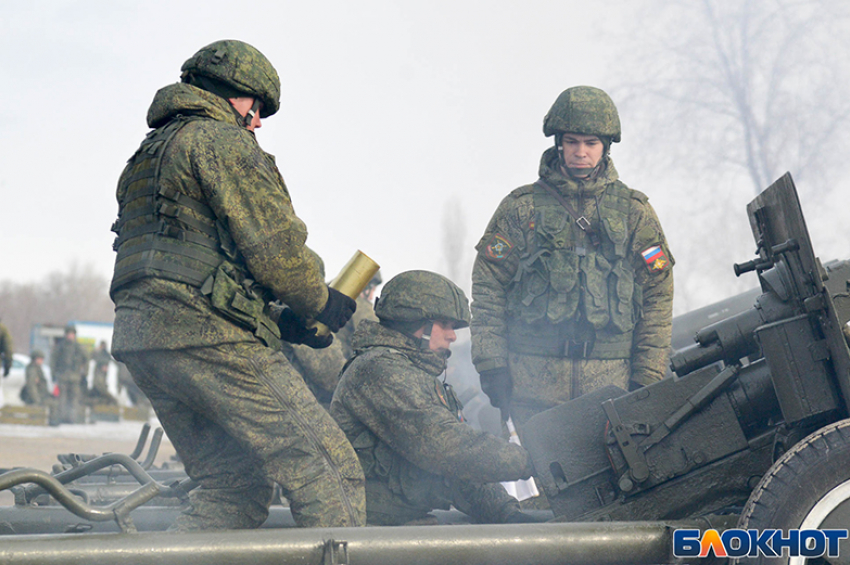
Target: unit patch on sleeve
{"points": [[655, 258], [498, 248]]}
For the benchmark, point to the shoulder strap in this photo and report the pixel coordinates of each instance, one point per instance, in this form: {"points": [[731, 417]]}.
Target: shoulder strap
{"points": [[581, 221]]}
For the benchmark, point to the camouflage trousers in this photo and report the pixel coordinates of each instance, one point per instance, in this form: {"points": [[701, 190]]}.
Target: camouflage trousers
{"points": [[240, 418], [71, 408], [542, 382]]}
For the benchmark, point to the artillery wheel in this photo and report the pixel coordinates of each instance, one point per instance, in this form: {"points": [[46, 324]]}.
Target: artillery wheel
{"points": [[807, 488]]}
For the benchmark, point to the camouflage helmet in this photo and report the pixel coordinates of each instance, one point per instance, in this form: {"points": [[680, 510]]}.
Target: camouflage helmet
{"points": [[37, 354], [241, 67], [585, 110], [422, 295]]}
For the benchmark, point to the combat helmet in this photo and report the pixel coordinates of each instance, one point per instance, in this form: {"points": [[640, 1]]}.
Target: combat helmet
{"points": [[238, 66], [586, 110], [415, 296]]}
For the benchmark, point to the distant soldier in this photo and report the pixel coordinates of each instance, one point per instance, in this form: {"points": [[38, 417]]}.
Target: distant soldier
{"points": [[35, 389], [69, 365], [406, 425], [6, 350], [99, 392]]}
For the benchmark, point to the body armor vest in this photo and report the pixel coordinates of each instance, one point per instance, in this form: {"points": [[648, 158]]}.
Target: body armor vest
{"points": [[166, 234], [571, 297]]}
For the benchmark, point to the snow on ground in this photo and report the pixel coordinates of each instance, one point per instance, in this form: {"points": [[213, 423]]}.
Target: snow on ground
{"points": [[98, 430]]}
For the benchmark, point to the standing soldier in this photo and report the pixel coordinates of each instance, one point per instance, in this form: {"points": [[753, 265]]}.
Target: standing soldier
{"points": [[406, 424], [6, 350], [573, 282], [69, 366], [99, 392], [207, 238]]}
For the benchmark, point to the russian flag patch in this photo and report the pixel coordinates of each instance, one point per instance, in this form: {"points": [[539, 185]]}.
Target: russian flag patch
{"points": [[655, 258]]}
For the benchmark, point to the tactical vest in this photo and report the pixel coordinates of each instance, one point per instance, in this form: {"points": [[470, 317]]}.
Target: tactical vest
{"points": [[166, 234], [571, 297]]}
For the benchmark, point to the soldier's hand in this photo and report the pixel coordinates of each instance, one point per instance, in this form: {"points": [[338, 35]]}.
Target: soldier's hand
{"points": [[498, 385], [337, 311], [6, 371], [293, 328]]}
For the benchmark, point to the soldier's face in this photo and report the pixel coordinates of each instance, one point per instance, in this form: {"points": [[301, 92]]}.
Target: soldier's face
{"points": [[242, 105], [581, 151], [442, 336]]}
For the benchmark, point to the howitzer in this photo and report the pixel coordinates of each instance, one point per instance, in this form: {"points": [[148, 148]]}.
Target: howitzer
{"points": [[737, 413]]}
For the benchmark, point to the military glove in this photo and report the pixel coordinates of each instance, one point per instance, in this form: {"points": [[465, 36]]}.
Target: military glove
{"points": [[293, 328], [6, 370], [337, 311], [498, 385], [633, 386]]}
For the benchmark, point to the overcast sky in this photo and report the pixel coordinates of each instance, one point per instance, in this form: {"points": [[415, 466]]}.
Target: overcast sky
{"points": [[389, 111]]}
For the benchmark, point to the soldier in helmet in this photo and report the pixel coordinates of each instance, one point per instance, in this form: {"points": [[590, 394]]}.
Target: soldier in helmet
{"points": [[207, 238], [572, 285], [406, 424], [69, 366]]}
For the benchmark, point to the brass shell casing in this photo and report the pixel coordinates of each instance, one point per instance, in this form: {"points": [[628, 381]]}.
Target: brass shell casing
{"points": [[351, 280]]}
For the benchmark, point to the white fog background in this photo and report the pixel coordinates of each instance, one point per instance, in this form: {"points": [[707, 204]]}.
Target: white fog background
{"points": [[403, 124]]}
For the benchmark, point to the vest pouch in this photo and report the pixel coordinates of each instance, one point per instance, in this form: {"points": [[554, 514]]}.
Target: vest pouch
{"points": [[231, 300], [621, 298], [615, 229], [596, 269], [526, 298], [563, 280], [554, 226]]}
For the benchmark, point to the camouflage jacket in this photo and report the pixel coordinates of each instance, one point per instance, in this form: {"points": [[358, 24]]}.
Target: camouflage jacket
{"points": [[34, 390], [67, 359], [214, 161], [406, 427], [511, 241]]}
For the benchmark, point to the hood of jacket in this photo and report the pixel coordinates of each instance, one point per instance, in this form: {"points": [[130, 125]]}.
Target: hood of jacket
{"points": [[185, 99], [371, 334], [550, 171]]}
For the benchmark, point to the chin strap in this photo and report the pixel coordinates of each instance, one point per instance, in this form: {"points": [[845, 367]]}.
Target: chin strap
{"points": [[249, 116]]}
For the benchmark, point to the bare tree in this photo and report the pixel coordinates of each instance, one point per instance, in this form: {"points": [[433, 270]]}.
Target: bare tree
{"points": [[759, 85], [454, 242], [79, 293], [719, 98]]}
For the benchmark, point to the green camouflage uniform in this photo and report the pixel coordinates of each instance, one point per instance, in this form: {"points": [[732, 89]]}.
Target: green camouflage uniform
{"points": [[99, 392], [6, 350], [69, 366], [406, 426], [192, 320], [320, 368], [35, 386], [542, 290]]}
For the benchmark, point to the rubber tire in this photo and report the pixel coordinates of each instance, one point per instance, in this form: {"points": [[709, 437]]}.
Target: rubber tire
{"points": [[797, 482]]}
